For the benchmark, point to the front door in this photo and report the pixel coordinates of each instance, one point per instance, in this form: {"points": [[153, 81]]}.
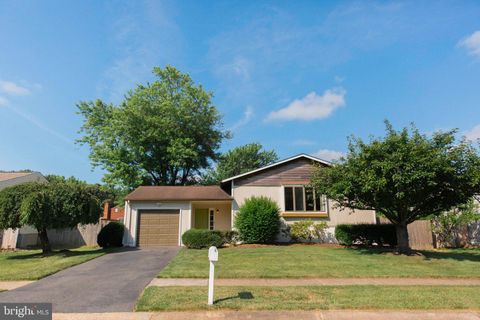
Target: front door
{"points": [[201, 218]]}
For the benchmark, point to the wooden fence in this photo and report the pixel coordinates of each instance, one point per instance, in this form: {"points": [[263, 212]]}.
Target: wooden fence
{"points": [[420, 235], [26, 237]]}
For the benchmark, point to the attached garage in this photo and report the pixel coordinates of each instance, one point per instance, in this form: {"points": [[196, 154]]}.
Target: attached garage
{"points": [[158, 228], [160, 215]]}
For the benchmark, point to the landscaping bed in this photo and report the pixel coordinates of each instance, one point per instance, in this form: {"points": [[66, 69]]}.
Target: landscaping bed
{"points": [[311, 298], [32, 265], [298, 261]]}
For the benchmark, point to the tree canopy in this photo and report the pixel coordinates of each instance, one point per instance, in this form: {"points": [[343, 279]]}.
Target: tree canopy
{"points": [[163, 133], [61, 203], [240, 160], [404, 176]]}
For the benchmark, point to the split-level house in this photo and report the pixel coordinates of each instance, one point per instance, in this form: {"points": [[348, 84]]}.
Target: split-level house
{"points": [[159, 215]]}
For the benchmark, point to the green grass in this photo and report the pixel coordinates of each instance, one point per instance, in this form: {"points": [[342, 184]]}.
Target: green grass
{"points": [[318, 261], [32, 265], [311, 298]]}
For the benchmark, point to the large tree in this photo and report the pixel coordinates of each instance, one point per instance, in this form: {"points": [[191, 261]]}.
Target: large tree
{"points": [[240, 160], [163, 133], [61, 203], [404, 176]]}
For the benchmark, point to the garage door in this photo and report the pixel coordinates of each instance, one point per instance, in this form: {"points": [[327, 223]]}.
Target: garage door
{"points": [[158, 228]]}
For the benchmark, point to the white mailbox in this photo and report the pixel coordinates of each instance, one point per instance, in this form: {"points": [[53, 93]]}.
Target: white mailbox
{"points": [[213, 254], [212, 257]]}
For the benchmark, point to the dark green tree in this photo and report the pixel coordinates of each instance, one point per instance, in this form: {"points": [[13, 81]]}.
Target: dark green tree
{"points": [[163, 133], [240, 160], [404, 176], [57, 204]]}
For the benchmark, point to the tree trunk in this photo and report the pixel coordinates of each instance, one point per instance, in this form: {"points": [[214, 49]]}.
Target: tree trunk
{"points": [[45, 244], [403, 245]]}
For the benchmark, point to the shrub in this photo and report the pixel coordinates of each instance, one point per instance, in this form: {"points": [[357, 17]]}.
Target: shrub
{"points": [[231, 236], [307, 230], [111, 235], [258, 220], [366, 234], [202, 238]]}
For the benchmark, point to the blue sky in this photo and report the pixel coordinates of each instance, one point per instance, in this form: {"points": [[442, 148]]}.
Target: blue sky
{"points": [[296, 76]]}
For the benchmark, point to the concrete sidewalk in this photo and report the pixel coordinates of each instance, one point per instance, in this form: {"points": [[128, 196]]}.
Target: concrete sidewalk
{"points": [[165, 282], [10, 285], [277, 315]]}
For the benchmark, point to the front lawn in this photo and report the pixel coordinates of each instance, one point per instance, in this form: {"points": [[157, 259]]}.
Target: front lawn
{"points": [[32, 265], [311, 298], [319, 261]]}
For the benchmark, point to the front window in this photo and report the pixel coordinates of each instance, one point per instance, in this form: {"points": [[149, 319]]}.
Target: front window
{"points": [[302, 198]]}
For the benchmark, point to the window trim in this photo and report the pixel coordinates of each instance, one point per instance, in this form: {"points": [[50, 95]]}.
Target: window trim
{"points": [[211, 219], [296, 212]]}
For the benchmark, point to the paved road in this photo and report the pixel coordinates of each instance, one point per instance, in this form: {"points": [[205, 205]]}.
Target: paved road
{"points": [[110, 283]]}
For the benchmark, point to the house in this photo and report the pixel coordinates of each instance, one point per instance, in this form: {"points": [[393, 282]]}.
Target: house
{"points": [[10, 239], [156, 216], [112, 213], [9, 179]]}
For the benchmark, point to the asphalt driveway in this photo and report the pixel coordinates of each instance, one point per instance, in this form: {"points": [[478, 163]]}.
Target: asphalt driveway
{"points": [[112, 282]]}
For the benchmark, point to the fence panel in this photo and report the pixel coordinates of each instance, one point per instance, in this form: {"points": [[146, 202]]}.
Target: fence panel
{"points": [[420, 234]]}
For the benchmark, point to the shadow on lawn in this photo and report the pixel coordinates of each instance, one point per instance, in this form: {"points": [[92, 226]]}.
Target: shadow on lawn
{"points": [[452, 254], [65, 253], [243, 295]]}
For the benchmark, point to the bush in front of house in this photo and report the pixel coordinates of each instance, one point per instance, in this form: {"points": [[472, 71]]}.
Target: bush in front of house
{"points": [[366, 234], [111, 235], [258, 220], [202, 238], [231, 236], [307, 230]]}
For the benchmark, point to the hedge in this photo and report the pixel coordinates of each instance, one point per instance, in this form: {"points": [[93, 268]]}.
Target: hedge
{"points": [[366, 234], [203, 238]]}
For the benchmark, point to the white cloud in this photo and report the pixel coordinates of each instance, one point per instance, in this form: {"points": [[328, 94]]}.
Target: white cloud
{"points": [[247, 116], [311, 107], [328, 155], [474, 133], [472, 44], [12, 88], [3, 102]]}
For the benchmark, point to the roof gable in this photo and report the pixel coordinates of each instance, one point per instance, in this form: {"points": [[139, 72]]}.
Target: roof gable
{"points": [[300, 156]]}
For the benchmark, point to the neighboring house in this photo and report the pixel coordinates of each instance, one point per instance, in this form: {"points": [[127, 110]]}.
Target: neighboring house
{"points": [[112, 213], [8, 179], [156, 216], [10, 238]]}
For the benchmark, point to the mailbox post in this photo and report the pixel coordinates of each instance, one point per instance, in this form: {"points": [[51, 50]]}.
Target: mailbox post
{"points": [[212, 257]]}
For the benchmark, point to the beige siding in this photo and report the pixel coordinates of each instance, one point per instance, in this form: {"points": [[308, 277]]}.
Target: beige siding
{"points": [[241, 193], [276, 193], [222, 218]]}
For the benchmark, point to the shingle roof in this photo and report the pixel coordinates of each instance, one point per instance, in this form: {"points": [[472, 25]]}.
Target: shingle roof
{"points": [[178, 193], [12, 175]]}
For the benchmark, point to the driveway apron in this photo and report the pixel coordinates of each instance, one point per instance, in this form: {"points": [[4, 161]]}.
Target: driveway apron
{"points": [[109, 283]]}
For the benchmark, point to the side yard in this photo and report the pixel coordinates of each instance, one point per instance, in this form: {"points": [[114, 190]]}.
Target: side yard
{"points": [[297, 261], [32, 265]]}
